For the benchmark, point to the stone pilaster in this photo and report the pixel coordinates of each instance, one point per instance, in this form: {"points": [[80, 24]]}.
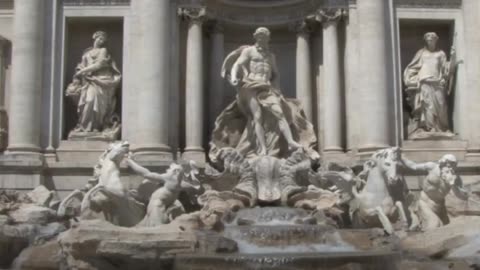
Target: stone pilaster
{"points": [[375, 75], [332, 97], [216, 87], [303, 67], [351, 79], [151, 136], [469, 97], [3, 113], [27, 60], [194, 94]]}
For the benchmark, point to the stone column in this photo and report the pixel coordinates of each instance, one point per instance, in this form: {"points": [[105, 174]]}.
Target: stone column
{"points": [[375, 74], [27, 60], [194, 94], [332, 118], [151, 135], [3, 113], [304, 68], [216, 81], [351, 79]]}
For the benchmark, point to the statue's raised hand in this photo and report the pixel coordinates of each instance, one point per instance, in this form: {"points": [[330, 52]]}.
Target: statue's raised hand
{"points": [[234, 81]]}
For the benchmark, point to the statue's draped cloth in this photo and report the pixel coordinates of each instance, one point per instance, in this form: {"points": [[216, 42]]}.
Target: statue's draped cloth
{"points": [[97, 92], [234, 127], [429, 103]]}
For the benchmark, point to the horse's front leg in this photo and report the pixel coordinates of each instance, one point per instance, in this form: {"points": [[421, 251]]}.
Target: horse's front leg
{"points": [[403, 216], [387, 225]]}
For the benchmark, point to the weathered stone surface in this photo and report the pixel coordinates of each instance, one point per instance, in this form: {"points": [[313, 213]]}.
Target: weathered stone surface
{"points": [[42, 257], [4, 220], [448, 241], [41, 196], [11, 200], [457, 206], [435, 265], [93, 244], [32, 214], [14, 238], [11, 244]]}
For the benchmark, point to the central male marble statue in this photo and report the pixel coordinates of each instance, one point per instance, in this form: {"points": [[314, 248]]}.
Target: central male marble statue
{"points": [[261, 121]]}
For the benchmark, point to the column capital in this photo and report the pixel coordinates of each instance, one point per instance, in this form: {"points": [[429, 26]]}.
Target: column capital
{"points": [[193, 14], [330, 15], [302, 28]]}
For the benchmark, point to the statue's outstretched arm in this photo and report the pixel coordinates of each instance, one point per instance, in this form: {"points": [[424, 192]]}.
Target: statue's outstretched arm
{"points": [[144, 171], [426, 166]]}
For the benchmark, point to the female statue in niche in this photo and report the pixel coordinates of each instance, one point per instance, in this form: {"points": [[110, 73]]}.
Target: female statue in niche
{"points": [[429, 81], [93, 88]]}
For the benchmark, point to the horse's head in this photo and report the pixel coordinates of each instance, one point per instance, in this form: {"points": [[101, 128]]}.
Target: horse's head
{"points": [[117, 151], [387, 161]]}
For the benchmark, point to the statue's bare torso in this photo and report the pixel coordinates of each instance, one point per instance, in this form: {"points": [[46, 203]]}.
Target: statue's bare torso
{"points": [[260, 64]]}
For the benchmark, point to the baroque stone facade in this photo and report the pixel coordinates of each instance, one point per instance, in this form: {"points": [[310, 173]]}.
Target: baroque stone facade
{"points": [[242, 134], [343, 60]]}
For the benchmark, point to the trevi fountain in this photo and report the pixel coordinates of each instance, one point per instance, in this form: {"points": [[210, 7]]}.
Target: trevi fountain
{"points": [[239, 134]]}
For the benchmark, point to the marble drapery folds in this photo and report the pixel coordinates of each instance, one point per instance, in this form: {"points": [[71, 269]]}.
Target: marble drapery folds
{"points": [[427, 79], [94, 88]]}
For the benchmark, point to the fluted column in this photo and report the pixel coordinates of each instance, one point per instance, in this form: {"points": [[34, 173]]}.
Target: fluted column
{"points": [[303, 68], [194, 95], [217, 54], [375, 74], [25, 97], [151, 135], [332, 118]]}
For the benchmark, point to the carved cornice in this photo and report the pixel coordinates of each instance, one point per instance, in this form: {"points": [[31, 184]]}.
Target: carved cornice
{"points": [[428, 3], [193, 14], [96, 2]]}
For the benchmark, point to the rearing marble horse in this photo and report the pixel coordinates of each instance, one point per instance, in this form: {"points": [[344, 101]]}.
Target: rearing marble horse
{"points": [[374, 205]]}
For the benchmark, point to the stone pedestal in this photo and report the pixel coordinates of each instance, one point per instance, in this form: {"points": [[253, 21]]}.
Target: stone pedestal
{"points": [[194, 105], [150, 141], [27, 61], [430, 150], [304, 68]]}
